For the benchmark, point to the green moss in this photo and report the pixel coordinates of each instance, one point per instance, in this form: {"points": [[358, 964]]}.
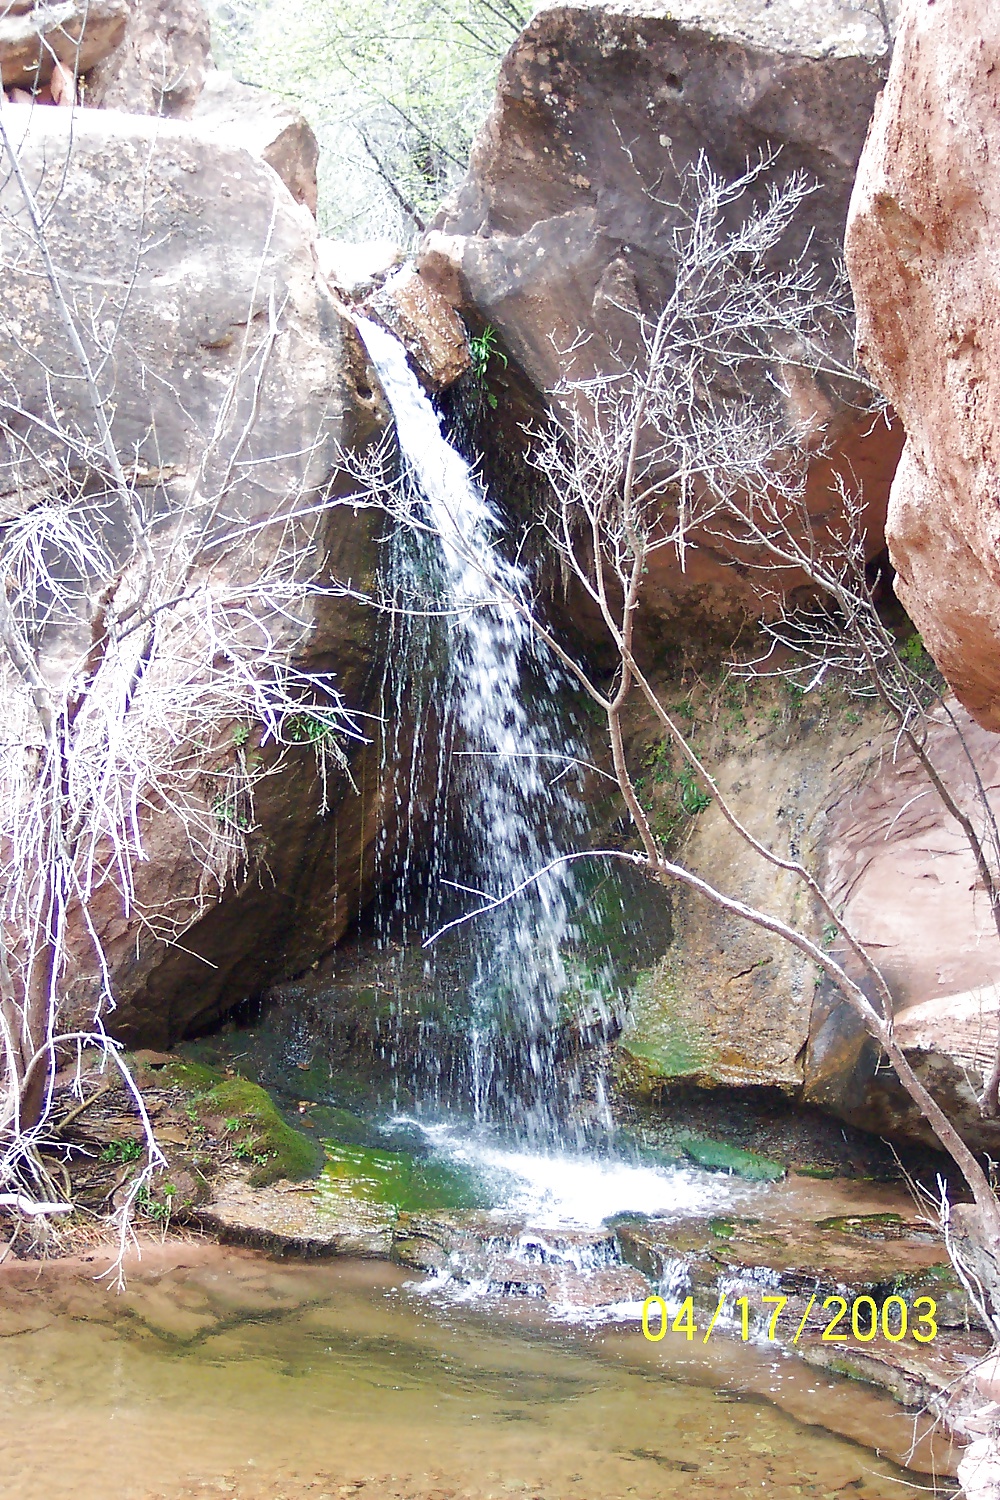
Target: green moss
{"points": [[868, 1226], [194, 1077], [275, 1149], [659, 1037], [719, 1156], [395, 1179], [340, 1125], [723, 1229]]}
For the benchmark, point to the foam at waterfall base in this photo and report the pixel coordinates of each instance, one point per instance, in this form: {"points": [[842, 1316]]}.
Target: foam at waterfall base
{"points": [[545, 1241], [576, 1188]]}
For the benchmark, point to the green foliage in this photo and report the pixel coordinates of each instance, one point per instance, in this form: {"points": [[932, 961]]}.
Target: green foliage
{"points": [[483, 348], [122, 1151], [230, 813], [157, 1209], [693, 799], [240, 735], [315, 728], [395, 89]]}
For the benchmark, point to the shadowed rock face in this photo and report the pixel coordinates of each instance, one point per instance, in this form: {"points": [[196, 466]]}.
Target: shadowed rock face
{"points": [[563, 229], [921, 249], [192, 245]]}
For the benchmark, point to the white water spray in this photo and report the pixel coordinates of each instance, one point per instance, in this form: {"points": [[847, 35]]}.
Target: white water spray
{"points": [[507, 778]]}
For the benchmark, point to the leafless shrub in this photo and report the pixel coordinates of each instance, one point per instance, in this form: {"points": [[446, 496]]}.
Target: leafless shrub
{"points": [[148, 633]]}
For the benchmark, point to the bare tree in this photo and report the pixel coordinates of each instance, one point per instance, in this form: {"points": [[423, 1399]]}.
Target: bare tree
{"points": [[696, 442], [148, 637]]}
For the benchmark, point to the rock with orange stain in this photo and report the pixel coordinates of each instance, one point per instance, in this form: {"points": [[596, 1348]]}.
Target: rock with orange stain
{"points": [[35, 38]]}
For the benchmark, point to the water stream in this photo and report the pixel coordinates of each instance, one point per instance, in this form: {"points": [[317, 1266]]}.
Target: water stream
{"points": [[217, 1373], [501, 774]]}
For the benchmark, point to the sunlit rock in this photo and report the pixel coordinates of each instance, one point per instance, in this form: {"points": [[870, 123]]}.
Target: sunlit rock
{"points": [[920, 244]]}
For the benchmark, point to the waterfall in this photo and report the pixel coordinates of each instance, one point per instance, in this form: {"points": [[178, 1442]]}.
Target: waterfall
{"points": [[504, 766]]}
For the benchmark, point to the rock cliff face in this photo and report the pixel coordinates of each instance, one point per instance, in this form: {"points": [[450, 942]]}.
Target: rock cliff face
{"points": [[195, 243], [564, 228], [728, 1005], [921, 252]]}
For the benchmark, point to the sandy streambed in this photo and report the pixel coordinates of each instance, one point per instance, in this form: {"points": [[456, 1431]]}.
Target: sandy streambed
{"points": [[220, 1372]]}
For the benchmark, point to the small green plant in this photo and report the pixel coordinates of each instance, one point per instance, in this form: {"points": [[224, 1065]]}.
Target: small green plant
{"points": [[230, 816], [240, 735], [657, 758], [248, 1151], [693, 799], [120, 1152], [483, 348], [153, 1208], [315, 728], [913, 649], [830, 934]]}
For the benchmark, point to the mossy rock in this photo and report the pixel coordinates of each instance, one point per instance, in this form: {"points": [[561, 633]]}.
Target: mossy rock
{"points": [[867, 1226], [397, 1180], [341, 1125], [261, 1136], [660, 1041], [719, 1156], [193, 1077]]}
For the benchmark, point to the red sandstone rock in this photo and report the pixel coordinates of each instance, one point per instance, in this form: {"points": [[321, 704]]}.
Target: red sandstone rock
{"points": [[427, 326], [564, 226], [921, 247], [160, 65], [79, 33], [237, 114]]}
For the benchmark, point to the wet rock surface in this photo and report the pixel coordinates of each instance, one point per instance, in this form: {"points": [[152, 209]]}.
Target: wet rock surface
{"points": [[291, 1218], [580, 1269], [426, 325]]}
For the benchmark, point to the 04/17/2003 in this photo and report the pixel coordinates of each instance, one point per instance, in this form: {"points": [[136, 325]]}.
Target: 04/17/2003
{"points": [[893, 1320]]}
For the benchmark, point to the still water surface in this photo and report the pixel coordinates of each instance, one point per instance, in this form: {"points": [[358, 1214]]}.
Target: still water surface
{"points": [[218, 1372]]}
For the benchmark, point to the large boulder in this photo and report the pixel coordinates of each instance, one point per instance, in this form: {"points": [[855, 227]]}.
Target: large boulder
{"points": [[163, 66], [76, 33], [920, 245], [901, 872], [159, 65], [238, 114], [564, 226], [195, 247]]}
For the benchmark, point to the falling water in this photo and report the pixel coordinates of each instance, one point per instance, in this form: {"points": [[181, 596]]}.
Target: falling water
{"points": [[501, 764]]}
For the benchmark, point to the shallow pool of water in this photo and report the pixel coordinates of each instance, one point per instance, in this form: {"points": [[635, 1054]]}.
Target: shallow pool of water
{"points": [[217, 1372]]}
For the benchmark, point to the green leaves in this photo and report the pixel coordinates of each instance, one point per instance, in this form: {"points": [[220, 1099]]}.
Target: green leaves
{"points": [[396, 90]]}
